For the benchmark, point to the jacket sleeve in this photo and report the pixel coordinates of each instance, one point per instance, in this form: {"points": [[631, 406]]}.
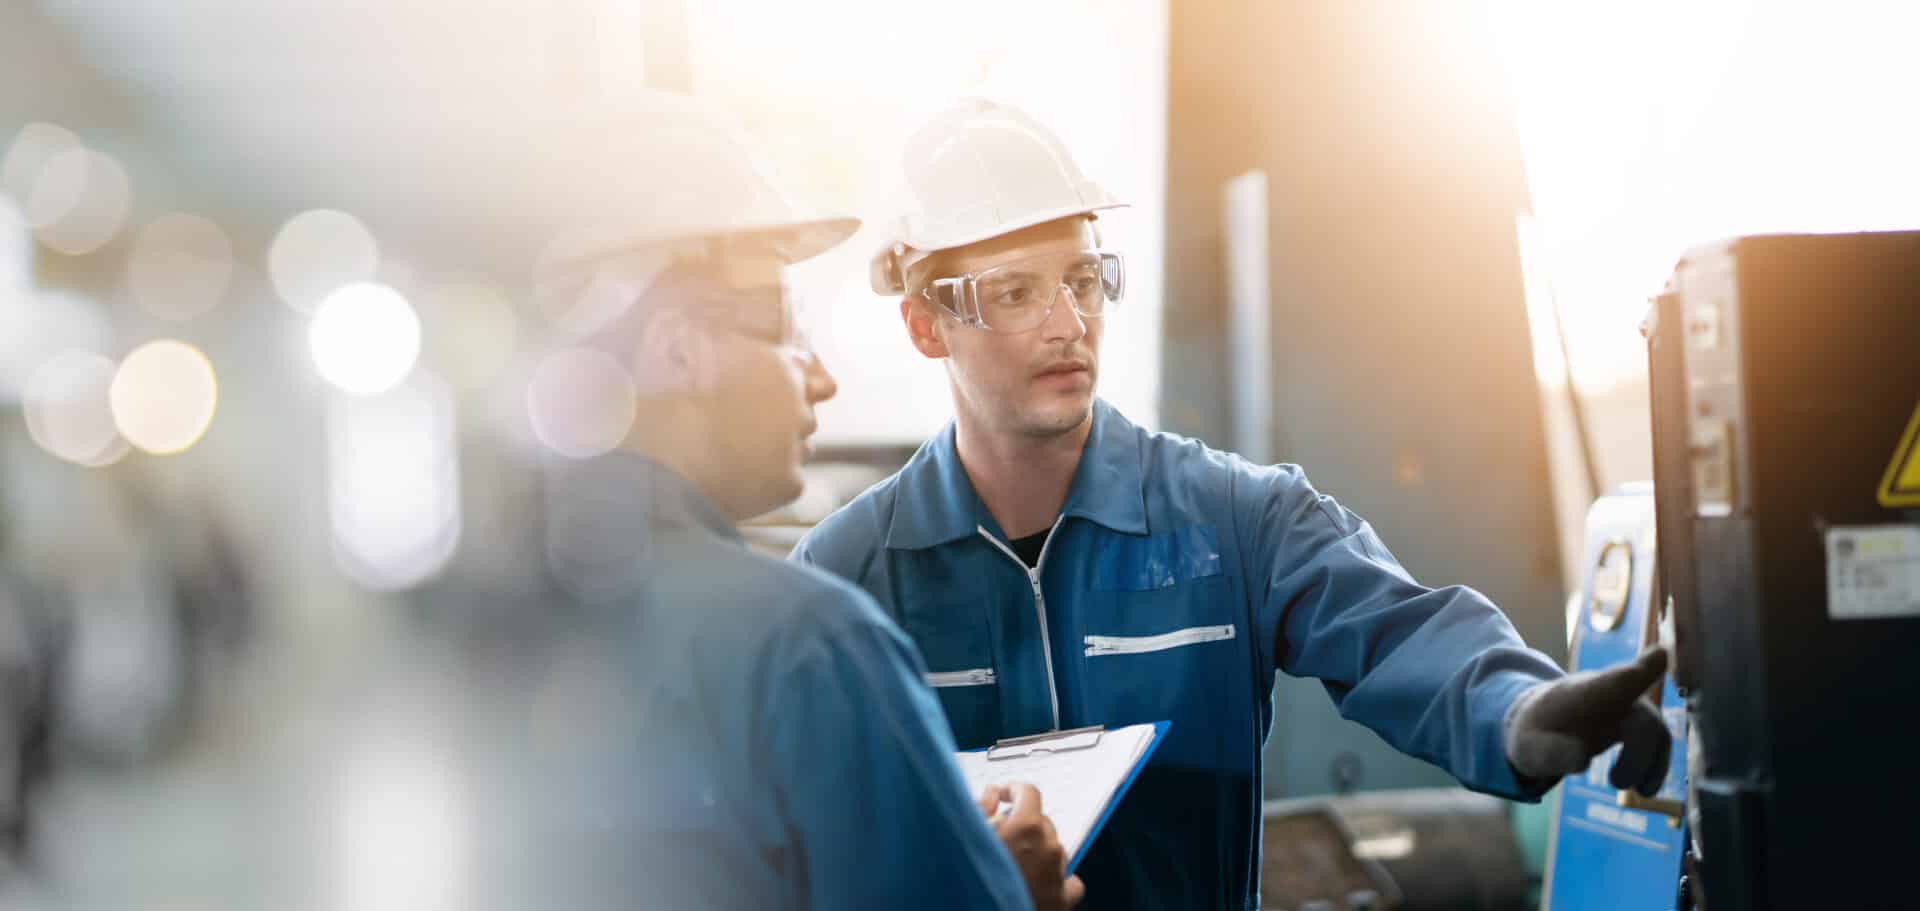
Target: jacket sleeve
{"points": [[864, 773], [802, 553], [1432, 671]]}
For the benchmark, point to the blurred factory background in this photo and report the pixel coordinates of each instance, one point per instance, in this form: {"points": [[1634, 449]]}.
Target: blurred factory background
{"points": [[275, 399]]}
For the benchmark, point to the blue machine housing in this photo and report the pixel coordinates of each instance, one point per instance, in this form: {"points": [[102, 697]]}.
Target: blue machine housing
{"points": [[1604, 855]]}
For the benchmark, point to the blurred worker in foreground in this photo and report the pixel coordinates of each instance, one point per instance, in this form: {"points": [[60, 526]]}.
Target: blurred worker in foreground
{"points": [[790, 753], [1059, 566]]}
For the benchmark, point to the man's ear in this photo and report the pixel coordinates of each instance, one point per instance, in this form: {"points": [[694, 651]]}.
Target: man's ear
{"points": [[676, 356], [923, 328]]}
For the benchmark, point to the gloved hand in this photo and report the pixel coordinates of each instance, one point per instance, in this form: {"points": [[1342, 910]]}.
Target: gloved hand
{"points": [[1557, 728]]}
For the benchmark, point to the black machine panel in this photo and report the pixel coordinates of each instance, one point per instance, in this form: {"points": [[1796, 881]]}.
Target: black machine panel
{"points": [[1786, 393]]}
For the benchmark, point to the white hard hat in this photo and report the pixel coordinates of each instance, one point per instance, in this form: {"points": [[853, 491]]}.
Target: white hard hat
{"points": [[977, 170], [680, 174]]}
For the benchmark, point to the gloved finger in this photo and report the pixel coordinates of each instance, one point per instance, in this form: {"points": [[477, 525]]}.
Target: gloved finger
{"points": [[1619, 686], [1645, 746], [1662, 758], [1656, 773]]}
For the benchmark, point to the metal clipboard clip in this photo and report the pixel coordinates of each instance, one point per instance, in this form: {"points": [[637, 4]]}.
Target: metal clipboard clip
{"points": [[1049, 742]]}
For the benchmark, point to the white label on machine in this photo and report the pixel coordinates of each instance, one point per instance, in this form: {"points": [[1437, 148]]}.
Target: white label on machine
{"points": [[1873, 571], [1630, 820]]}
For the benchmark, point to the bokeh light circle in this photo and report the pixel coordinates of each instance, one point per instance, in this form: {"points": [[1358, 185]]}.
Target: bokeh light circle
{"points": [[32, 147], [180, 266], [365, 338], [66, 407], [79, 201], [163, 396], [474, 331], [317, 252], [581, 402]]}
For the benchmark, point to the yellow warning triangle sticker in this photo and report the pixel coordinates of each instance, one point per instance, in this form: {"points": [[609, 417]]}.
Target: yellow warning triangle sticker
{"points": [[1901, 485]]}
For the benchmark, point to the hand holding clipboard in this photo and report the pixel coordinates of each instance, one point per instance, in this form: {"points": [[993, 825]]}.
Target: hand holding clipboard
{"points": [[1080, 775], [1017, 816]]}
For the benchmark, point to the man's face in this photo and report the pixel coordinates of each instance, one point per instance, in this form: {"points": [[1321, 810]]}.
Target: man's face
{"points": [[1036, 383], [760, 410]]}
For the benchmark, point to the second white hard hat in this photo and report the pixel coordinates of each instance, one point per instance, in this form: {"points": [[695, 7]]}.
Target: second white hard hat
{"points": [[678, 170], [978, 170], [628, 198]]}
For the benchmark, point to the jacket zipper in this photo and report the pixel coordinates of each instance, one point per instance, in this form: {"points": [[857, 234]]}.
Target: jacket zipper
{"points": [[979, 676], [1133, 645], [1039, 604]]}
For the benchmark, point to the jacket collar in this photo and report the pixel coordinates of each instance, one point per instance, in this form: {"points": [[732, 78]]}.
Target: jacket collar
{"points": [[605, 514], [603, 509], [936, 502]]}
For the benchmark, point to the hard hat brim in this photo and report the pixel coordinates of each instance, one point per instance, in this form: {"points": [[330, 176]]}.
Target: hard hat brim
{"points": [[887, 272], [934, 241], [801, 240], [792, 241]]}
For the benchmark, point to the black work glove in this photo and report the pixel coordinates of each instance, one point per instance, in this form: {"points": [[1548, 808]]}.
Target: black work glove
{"points": [[1557, 728]]}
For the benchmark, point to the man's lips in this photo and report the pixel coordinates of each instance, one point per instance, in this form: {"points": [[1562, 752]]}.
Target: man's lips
{"points": [[1063, 368], [805, 443]]}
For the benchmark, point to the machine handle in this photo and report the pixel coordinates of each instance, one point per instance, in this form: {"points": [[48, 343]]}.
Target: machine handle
{"points": [[1673, 810]]}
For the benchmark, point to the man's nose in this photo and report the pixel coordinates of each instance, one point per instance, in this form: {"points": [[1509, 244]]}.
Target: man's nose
{"points": [[1064, 322], [821, 385]]}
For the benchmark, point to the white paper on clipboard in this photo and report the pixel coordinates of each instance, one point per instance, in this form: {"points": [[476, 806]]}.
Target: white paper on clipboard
{"points": [[1076, 782]]}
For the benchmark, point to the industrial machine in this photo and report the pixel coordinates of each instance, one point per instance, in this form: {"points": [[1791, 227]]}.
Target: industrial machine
{"points": [[1785, 379], [1786, 403]]}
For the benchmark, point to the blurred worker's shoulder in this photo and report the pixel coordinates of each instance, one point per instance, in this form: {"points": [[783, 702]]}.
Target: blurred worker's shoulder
{"points": [[810, 604], [782, 591], [847, 540], [739, 602], [837, 605]]}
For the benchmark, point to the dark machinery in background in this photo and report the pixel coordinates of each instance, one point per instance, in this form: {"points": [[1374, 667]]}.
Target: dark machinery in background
{"points": [[1786, 401], [107, 665], [1785, 382], [1422, 849]]}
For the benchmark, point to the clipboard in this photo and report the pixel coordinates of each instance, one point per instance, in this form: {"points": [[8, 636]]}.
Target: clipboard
{"points": [[1050, 742], [1071, 765]]}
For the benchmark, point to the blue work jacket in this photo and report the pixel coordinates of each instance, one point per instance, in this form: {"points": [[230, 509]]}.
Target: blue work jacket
{"points": [[785, 749], [1177, 581]]}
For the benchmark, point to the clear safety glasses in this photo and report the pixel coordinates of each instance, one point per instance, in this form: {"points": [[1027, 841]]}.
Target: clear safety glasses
{"points": [[770, 315], [1018, 296]]}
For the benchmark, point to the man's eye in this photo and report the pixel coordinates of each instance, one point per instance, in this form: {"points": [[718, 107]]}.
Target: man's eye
{"points": [[1014, 297]]}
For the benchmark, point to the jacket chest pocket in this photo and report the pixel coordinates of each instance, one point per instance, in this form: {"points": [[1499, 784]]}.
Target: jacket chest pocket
{"points": [[1166, 638], [971, 700], [955, 638]]}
